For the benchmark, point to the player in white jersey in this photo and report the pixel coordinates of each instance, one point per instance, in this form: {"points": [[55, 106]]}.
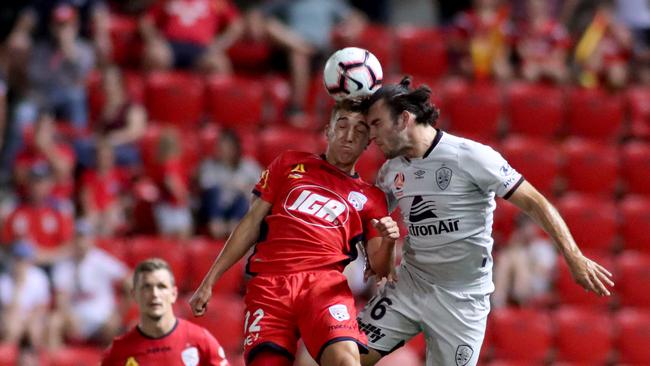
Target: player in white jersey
{"points": [[445, 187]]}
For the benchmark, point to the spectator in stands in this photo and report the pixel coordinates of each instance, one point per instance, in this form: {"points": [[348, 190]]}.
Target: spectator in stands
{"points": [[542, 44], [190, 34], [4, 128], [38, 221], [85, 307], [44, 148], [313, 22], [172, 211], [226, 180], [603, 50], [57, 71], [100, 193], [121, 124], [523, 271], [482, 41], [24, 296]]}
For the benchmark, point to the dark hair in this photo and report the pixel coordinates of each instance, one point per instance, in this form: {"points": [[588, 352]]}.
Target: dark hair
{"points": [[151, 265], [399, 98], [232, 136]]}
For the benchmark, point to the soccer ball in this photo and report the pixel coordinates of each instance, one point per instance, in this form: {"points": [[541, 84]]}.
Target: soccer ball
{"points": [[352, 73]]}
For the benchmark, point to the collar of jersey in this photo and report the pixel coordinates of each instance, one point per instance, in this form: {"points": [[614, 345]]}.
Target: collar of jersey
{"points": [[354, 176], [434, 143], [162, 336]]}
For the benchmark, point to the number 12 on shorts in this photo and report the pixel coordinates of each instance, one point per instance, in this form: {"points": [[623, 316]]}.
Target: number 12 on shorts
{"points": [[254, 328]]}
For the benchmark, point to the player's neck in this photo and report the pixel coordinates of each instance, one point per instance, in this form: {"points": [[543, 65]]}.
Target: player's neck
{"points": [[346, 168], [422, 137], [157, 328]]}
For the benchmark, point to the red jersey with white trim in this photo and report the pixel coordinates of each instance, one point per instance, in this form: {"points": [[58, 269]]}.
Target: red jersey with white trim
{"points": [[319, 213], [185, 344]]}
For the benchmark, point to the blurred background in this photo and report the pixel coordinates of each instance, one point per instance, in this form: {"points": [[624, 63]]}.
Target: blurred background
{"points": [[131, 129]]}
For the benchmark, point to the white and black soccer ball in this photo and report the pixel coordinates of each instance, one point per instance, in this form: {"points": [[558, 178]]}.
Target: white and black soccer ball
{"points": [[352, 73]]}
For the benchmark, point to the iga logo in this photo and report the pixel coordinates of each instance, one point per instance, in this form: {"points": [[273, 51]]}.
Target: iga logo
{"points": [[320, 203]]}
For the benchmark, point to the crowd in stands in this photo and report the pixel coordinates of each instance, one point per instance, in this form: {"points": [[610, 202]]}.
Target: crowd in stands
{"points": [[131, 129]]}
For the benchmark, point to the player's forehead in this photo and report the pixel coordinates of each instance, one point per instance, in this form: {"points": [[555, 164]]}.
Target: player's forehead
{"points": [[155, 277], [343, 116]]}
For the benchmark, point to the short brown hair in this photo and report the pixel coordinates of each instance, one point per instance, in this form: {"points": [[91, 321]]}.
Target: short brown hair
{"points": [[350, 105], [151, 265]]}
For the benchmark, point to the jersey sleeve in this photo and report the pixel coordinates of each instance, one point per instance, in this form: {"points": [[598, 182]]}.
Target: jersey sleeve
{"points": [[383, 183], [213, 350], [271, 180], [108, 357], [489, 170], [376, 209]]}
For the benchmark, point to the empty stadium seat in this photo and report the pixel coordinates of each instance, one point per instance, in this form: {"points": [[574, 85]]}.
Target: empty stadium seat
{"points": [[594, 113], [633, 279], [635, 162], [473, 108], [635, 222], [175, 98], [535, 110], [74, 356], [590, 166], [422, 51], [114, 246], [370, 162], [224, 318], [125, 43], [639, 107], [278, 93], [375, 38], [582, 335], [570, 293], [536, 159], [200, 256], [8, 354], [592, 220], [521, 335], [504, 221], [508, 363], [235, 102], [274, 141], [172, 251], [633, 336]]}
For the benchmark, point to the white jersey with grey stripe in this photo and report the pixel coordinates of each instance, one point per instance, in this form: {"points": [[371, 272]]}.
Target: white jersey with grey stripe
{"points": [[447, 200]]}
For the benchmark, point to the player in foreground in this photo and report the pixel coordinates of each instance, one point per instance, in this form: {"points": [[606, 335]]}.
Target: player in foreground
{"points": [[445, 187], [160, 338], [310, 214]]}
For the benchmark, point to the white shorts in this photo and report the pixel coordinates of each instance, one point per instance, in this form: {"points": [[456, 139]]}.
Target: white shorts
{"points": [[453, 321]]}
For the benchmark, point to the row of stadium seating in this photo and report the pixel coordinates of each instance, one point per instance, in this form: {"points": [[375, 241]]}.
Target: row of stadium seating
{"points": [[476, 109]]}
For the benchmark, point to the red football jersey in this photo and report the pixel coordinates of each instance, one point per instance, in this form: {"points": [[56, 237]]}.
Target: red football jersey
{"points": [[186, 344], [318, 215]]}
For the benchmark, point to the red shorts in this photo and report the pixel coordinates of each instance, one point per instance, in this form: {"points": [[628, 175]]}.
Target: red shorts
{"points": [[317, 305]]}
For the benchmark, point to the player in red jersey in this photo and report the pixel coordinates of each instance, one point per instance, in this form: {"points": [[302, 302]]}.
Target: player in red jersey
{"points": [[310, 213], [160, 338]]}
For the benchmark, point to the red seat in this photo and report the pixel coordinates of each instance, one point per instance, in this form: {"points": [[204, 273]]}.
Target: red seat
{"points": [[145, 247], [200, 256], [570, 293], [633, 279], [594, 113], [375, 38], [224, 318], [508, 363], [125, 43], [175, 98], [278, 93], [114, 246], [535, 110], [582, 335], [422, 51], [636, 167], [536, 159], [274, 141], [8, 354], [133, 84], [74, 356], [235, 102], [587, 159], [633, 336], [635, 223], [474, 109], [370, 162], [639, 106], [504, 221], [521, 335], [592, 221]]}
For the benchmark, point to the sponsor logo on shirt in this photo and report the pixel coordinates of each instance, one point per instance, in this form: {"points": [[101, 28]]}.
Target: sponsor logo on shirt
{"points": [[131, 362], [374, 333], [339, 312], [190, 356], [419, 174], [422, 210], [317, 206]]}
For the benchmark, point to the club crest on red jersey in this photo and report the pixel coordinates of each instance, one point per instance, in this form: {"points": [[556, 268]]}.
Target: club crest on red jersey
{"points": [[190, 356], [317, 206]]}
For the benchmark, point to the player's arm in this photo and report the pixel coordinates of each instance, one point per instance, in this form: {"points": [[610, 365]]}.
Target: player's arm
{"points": [[241, 240], [381, 250], [586, 272]]}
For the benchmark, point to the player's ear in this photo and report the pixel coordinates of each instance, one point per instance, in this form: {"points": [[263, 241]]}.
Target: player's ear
{"points": [[174, 294], [403, 119]]}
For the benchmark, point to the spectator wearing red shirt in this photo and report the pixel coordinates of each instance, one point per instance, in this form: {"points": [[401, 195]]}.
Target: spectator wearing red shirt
{"points": [[190, 33], [100, 193], [37, 221], [543, 44], [172, 212], [160, 338]]}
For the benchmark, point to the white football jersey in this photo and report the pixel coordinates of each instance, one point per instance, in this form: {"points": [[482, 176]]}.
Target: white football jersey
{"points": [[447, 199]]}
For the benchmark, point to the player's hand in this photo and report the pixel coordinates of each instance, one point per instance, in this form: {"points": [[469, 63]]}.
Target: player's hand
{"points": [[590, 275], [387, 227], [369, 273], [199, 300]]}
